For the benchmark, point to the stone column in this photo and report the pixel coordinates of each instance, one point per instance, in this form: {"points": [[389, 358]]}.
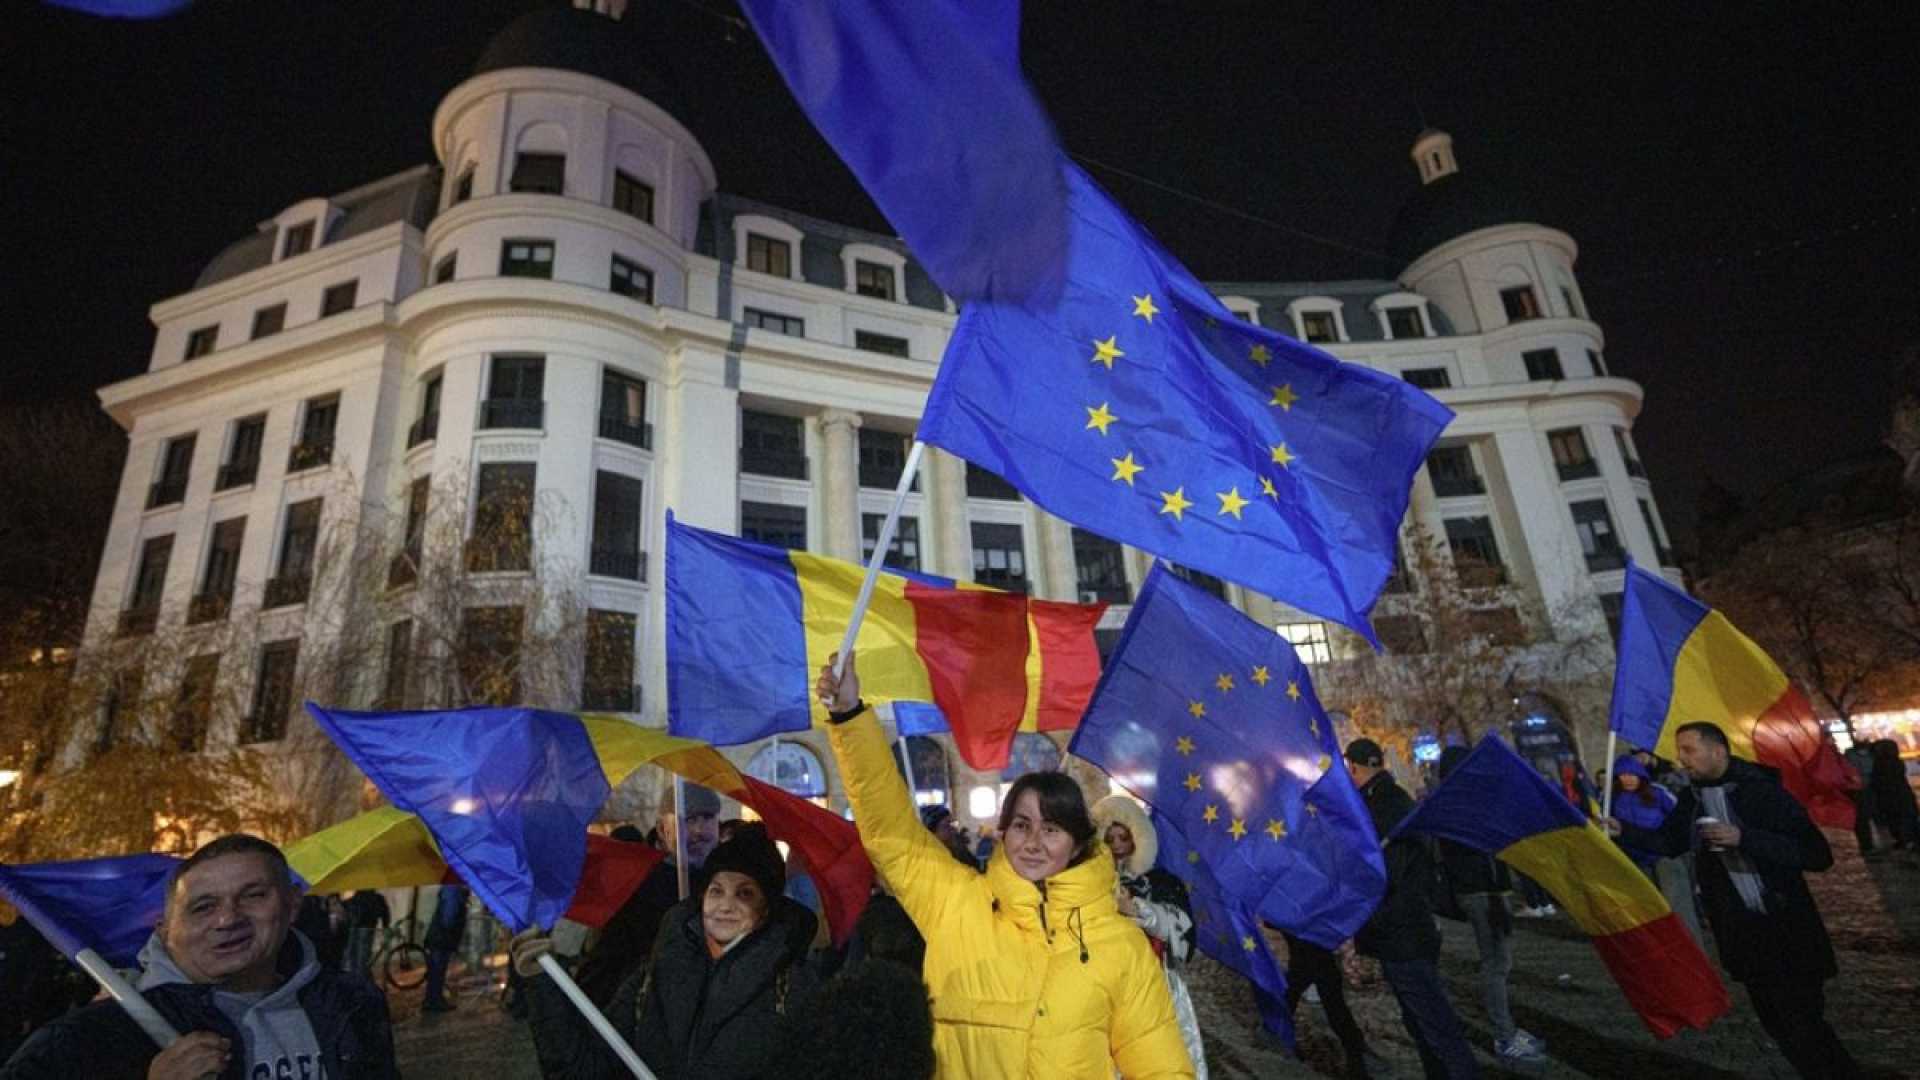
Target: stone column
{"points": [[1061, 574], [840, 483], [945, 520]]}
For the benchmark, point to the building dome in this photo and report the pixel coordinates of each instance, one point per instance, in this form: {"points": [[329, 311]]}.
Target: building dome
{"points": [[1449, 203], [580, 40]]}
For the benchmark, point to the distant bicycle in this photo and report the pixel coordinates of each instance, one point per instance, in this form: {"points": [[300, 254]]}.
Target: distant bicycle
{"points": [[400, 960]]}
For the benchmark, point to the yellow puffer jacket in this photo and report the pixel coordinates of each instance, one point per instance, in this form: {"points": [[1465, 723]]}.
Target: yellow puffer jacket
{"points": [[1052, 989]]}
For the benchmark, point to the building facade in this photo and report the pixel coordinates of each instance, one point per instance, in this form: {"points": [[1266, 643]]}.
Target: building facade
{"points": [[566, 304]]}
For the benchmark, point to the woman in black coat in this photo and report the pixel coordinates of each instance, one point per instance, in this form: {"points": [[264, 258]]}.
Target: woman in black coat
{"points": [[728, 962]]}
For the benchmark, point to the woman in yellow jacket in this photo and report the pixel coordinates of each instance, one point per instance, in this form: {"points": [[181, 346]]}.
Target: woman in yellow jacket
{"points": [[1033, 971]]}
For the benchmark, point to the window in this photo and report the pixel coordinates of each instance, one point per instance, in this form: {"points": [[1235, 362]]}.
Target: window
{"points": [[405, 567], [243, 456], [883, 454], [609, 675], [503, 518], [202, 341], [999, 556], [779, 324], [446, 268], [1309, 640], [1100, 569], [1571, 456], [772, 445], [616, 527], [542, 174], [1428, 378], [399, 677], [269, 321], [793, 769], [1520, 303], [193, 706], [121, 705], [1620, 439], [315, 447], [299, 541], [463, 187], [769, 256], [516, 386], [1476, 553], [1453, 471], [982, 484], [176, 465], [1573, 308], [1404, 322], [299, 241], [1402, 635], [1543, 365], [426, 426], [631, 196], [490, 655], [149, 583], [339, 298], [272, 692], [868, 341], [903, 553], [1319, 327], [873, 279], [623, 410], [223, 565], [1610, 607], [632, 279], [1598, 540], [1206, 582], [526, 258], [1660, 548], [1599, 362], [772, 523]]}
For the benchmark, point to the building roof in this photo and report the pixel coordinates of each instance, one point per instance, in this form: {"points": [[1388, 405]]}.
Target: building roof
{"points": [[820, 262], [573, 39], [411, 196], [1455, 205], [1355, 298]]}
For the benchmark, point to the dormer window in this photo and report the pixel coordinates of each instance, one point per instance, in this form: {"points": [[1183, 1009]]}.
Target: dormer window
{"points": [[1317, 319], [873, 279], [1520, 303], [769, 256], [1404, 322], [632, 197], [542, 174], [1318, 327], [298, 240]]}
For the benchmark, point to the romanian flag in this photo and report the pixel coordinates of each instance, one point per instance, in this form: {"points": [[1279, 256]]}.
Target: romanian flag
{"points": [[502, 797], [1681, 661], [1494, 802], [749, 627]]}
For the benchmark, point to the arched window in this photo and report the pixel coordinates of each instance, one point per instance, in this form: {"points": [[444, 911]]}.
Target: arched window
{"points": [[791, 767], [932, 781]]}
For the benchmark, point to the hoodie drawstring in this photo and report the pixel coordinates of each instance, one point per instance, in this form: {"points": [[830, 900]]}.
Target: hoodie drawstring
{"points": [[1077, 927]]}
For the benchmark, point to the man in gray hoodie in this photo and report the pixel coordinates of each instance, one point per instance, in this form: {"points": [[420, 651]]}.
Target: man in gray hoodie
{"points": [[246, 991]]}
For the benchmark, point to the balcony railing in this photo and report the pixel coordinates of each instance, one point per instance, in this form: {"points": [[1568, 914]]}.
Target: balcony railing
{"points": [[1450, 484], [1579, 470], [167, 492], [1610, 559], [209, 607], [627, 565], [513, 413], [310, 455], [286, 590], [236, 474], [773, 463], [620, 429], [137, 621], [425, 429]]}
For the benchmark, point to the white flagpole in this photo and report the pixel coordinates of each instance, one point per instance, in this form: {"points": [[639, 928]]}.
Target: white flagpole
{"points": [[680, 832], [884, 541], [139, 1008], [580, 1001], [906, 766], [1606, 798]]}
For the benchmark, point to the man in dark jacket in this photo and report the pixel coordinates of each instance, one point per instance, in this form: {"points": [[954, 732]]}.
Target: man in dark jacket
{"points": [[1754, 842], [628, 936], [227, 970], [1401, 934]]}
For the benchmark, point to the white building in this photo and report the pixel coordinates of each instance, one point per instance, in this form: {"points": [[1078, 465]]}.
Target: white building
{"points": [[566, 295]]}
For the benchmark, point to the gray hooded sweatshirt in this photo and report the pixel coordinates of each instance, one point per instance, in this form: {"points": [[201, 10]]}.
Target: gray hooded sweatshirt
{"points": [[279, 1039]]}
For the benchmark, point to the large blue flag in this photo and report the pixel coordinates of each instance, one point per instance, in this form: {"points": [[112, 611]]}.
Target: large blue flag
{"points": [[108, 905], [1211, 719], [1226, 928], [507, 793]]}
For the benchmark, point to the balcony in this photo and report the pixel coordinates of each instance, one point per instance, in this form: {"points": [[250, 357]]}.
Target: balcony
{"points": [[626, 565], [287, 590], [513, 413], [310, 455], [139, 621], [1447, 485], [1578, 470], [166, 492], [620, 429], [209, 607], [1606, 559], [236, 474], [781, 463], [425, 429]]}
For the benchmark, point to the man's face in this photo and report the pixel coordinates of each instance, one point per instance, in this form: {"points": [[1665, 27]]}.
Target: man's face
{"points": [[1701, 758], [1360, 773], [226, 920], [703, 832]]}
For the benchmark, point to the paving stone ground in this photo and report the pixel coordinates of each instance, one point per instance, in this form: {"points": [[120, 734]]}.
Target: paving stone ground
{"points": [[1560, 993]]}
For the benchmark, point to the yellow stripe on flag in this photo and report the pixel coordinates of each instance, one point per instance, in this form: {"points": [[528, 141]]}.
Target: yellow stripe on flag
{"points": [[624, 746], [890, 666], [1590, 876], [1721, 676], [380, 849]]}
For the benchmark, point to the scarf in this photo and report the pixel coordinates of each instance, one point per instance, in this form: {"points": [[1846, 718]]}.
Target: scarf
{"points": [[1740, 869]]}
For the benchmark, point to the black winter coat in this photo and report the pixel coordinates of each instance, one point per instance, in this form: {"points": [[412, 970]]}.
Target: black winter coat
{"points": [[1402, 927], [687, 1014], [1789, 938], [101, 1042]]}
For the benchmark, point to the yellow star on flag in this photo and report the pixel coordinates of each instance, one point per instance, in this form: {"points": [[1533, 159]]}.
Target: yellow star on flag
{"points": [[1259, 354], [1238, 829], [1293, 690], [1246, 942], [1281, 455], [1313, 726], [1276, 828], [1230, 501], [1211, 814], [1193, 856], [1100, 417], [1192, 782], [1312, 810], [1183, 745], [1143, 307], [1224, 683], [1261, 676], [1266, 488], [1198, 709], [1106, 352], [1125, 468], [1283, 395], [1175, 502], [1324, 763]]}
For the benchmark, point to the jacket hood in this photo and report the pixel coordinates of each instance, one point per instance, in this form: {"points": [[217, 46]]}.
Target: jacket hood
{"points": [[1628, 765], [1120, 810], [297, 965]]}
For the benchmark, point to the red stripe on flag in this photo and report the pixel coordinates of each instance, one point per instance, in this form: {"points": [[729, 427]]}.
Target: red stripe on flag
{"points": [[974, 644], [1788, 737], [1664, 975], [613, 870], [826, 844], [1069, 660]]}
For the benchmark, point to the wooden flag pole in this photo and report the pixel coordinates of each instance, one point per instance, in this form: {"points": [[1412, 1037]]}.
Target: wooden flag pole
{"points": [[885, 541], [1606, 797], [594, 1017]]}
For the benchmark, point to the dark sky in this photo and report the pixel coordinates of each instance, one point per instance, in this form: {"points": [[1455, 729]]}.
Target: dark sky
{"points": [[1741, 179]]}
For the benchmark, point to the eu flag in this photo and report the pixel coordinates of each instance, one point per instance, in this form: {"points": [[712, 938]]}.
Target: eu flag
{"points": [[1211, 719], [108, 905], [1226, 928]]}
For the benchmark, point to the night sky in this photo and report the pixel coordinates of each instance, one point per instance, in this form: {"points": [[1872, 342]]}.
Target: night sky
{"points": [[1741, 180]]}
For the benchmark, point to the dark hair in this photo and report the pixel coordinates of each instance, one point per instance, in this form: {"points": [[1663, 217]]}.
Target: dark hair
{"points": [[231, 844], [873, 1019], [1644, 791], [1061, 804], [1705, 730]]}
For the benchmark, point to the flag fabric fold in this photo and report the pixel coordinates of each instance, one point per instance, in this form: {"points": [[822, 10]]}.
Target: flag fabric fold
{"points": [[109, 905], [1226, 928], [1495, 802], [1681, 661], [1210, 718], [749, 626]]}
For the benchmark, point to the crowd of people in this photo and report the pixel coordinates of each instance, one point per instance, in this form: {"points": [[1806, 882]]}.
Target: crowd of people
{"points": [[1057, 950]]}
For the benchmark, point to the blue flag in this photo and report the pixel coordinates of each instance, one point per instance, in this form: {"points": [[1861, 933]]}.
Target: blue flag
{"points": [[507, 793], [108, 905], [1211, 719], [1226, 928]]}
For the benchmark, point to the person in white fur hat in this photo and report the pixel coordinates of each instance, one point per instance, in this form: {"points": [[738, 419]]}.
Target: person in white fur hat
{"points": [[1157, 902]]}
